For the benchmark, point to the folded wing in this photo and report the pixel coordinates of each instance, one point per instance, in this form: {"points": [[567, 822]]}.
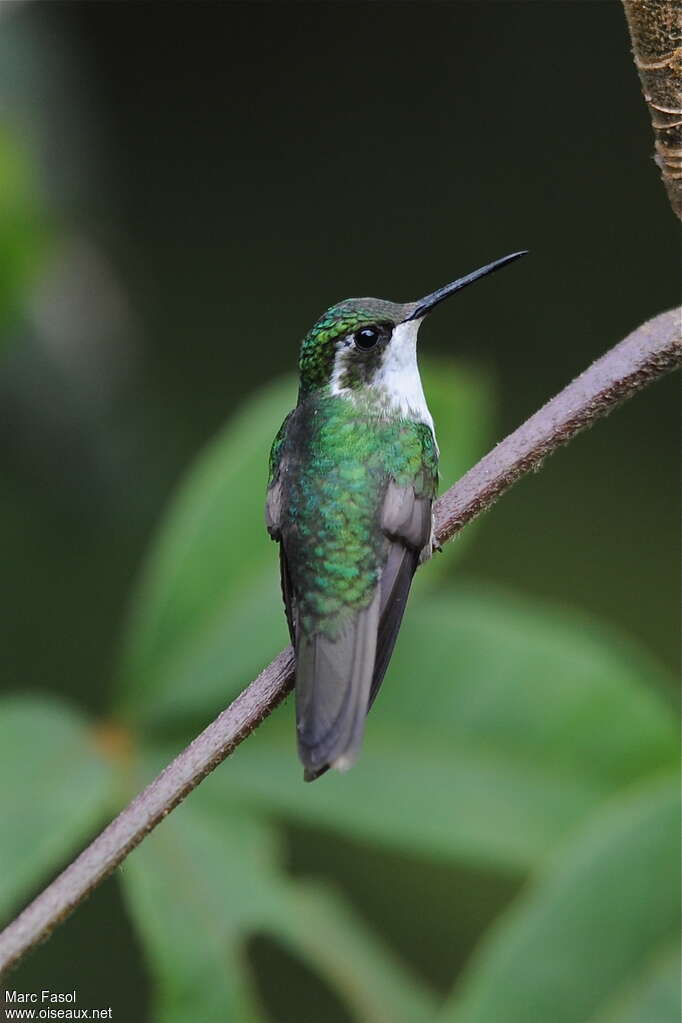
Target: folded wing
{"points": [[338, 678]]}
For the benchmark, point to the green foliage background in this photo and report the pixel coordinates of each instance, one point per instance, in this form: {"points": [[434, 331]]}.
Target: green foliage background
{"points": [[507, 847]]}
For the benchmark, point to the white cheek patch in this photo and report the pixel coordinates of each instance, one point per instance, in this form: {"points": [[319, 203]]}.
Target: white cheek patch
{"points": [[340, 367]]}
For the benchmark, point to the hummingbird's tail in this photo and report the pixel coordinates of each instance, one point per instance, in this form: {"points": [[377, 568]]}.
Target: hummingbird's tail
{"points": [[333, 683]]}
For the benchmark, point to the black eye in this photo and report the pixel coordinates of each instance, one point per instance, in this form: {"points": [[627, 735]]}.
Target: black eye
{"points": [[366, 338]]}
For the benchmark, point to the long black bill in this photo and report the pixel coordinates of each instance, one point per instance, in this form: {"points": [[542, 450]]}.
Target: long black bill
{"points": [[425, 305]]}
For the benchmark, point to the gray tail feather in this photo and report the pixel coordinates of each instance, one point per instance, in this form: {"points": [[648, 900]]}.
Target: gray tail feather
{"points": [[333, 682]]}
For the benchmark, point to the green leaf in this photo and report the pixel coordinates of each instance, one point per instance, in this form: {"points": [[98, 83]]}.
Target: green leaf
{"points": [[55, 789], [212, 559], [23, 232], [461, 400], [652, 996], [208, 614], [573, 942], [500, 725], [206, 880], [538, 682]]}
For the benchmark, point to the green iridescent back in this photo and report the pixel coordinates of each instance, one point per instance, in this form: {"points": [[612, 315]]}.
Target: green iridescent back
{"points": [[340, 460]]}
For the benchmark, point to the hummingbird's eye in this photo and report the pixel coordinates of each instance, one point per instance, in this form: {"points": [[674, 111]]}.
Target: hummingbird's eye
{"points": [[366, 338]]}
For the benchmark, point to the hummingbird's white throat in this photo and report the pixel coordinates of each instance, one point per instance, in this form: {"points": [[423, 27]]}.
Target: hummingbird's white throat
{"points": [[397, 377]]}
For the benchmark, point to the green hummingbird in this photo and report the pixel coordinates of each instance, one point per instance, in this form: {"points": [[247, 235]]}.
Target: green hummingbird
{"points": [[353, 476]]}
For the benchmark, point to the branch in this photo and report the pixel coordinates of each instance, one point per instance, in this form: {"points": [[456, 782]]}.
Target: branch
{"points": [[651, 351], [656, 34]]}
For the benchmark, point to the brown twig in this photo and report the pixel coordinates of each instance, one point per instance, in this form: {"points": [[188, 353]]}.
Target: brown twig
{"points": [[647, 354], [656, 33]]}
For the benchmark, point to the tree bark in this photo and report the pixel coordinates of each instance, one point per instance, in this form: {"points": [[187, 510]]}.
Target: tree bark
{"points": [[656, 33]]}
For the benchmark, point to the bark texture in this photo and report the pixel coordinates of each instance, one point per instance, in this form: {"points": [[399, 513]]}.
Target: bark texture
{"points": [[656, 33]]}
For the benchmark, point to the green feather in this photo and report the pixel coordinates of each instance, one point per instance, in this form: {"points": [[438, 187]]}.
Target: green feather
{"points": [[339, 465]]}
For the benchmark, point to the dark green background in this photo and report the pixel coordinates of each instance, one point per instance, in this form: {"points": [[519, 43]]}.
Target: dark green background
{"points": [[237, 168]]}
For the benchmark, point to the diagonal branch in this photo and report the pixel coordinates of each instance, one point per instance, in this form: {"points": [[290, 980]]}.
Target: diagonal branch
{"points": [[651, 351]]}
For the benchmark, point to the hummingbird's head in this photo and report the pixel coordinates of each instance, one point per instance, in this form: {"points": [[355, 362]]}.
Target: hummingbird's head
{"points": [[360, 342]]}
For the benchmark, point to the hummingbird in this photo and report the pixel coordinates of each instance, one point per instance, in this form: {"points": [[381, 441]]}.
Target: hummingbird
{"points": [[352, 478]]}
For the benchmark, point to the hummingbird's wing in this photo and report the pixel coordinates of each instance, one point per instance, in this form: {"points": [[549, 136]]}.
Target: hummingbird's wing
{"points": [[273, 521], [337, 679], [278, 462], [407, 522]]}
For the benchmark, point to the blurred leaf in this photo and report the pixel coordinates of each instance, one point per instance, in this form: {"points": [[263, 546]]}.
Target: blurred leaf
{"points": [[319, 926], [243, 634], [212, 557], [55, 789], [546, 684], [500, 725], [23, 232], [652, 996], [462, 402], [209, 614], [574, 940], [208, 879], [461, 399]]}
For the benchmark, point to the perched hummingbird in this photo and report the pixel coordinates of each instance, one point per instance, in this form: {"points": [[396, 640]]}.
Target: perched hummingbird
{"points": [[353, 475]]}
